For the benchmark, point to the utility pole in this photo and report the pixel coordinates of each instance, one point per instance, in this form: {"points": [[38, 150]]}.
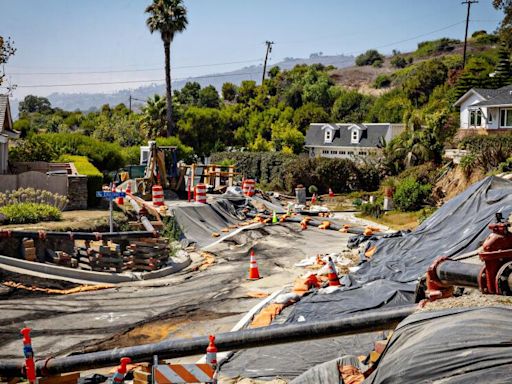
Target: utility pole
{"points": [[269, 49], [130, 102], [468, 2]]}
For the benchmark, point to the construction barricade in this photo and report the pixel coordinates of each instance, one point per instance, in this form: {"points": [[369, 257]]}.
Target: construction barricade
{"points": [[200, 193], [157, 195], [249, 187]]}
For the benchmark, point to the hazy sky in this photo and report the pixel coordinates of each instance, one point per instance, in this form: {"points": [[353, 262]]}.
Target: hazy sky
{"points": [[58, 38]]}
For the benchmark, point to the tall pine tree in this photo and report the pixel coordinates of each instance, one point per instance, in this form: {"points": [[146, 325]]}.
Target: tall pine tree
{"points": [[503, 73]]}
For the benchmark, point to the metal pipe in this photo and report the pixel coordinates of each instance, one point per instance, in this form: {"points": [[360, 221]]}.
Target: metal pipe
{"points": [[76, 235], [457, 273], [143, 219], [371, 321]]}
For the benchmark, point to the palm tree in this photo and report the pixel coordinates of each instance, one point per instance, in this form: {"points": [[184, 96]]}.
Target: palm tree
{"points": [[154, 116], [167, 17]]}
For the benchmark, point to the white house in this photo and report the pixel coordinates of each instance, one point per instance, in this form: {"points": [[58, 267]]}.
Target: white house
{"points": [[6, 132], [349, 141], [486, 108]]}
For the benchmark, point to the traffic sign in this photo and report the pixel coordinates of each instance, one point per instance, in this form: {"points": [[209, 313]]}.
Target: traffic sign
{"points": [[110, 195]]}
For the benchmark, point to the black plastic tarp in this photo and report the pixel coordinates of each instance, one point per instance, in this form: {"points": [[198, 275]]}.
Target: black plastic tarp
{"points": [[374, 295], [455, 346], [198, 222], [459, 226], [290, 360]]}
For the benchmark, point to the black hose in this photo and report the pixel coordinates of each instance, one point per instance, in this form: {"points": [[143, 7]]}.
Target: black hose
{"points": [[371, 321], [457, 273]]}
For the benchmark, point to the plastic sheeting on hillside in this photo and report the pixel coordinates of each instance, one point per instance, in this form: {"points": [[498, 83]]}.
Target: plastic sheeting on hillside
{"points": [[453, 346], [458, 227], [198, 222]]}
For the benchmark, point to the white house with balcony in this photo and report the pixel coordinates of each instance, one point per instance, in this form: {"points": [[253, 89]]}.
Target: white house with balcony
{"points": [[486, 109], [349, 141]]}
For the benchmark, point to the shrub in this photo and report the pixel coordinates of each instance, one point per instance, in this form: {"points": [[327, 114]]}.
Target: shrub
{"points": [[369, 57], [131, 155], [489, 151], [312, 189], [31, 195], [410, 194], [399, 61], [382, 81], [32, 149], [372, 209], [467, 163], [506, 166], [105, 156], [94, 176], [444, 44], [24, 213], [357, 202]]}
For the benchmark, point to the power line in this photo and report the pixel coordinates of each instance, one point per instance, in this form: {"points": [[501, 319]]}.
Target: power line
{"points": [[133, 70], [132, 81]]}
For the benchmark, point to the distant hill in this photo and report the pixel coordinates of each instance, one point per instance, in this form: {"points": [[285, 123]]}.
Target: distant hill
{"points": [[92, 101]]}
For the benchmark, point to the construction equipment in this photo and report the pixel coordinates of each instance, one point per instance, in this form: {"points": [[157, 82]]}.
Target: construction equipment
{"points": [[494, 277]]}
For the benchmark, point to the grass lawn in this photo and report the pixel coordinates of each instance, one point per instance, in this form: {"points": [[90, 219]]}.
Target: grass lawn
{"points": [[396, 220]]}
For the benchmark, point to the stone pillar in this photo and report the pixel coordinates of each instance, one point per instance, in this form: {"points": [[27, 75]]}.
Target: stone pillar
{"points": [[77, 192]]}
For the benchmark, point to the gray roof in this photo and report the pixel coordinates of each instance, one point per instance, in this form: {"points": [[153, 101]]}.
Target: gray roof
{"points": [[501, 96], [370, 135]]}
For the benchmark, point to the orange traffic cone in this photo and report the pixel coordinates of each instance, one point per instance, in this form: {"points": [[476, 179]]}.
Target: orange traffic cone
{"points": [[254, 273], [313, 198], [331, 193], [334, 281]]}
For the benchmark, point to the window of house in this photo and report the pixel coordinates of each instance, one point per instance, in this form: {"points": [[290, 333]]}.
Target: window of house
{"points": [[328, 135], [350, 153], [334, 152], [506, 118], [490, 117], [475, 118], [325, 152], [362, 153], [343, 153], [355, 136]]}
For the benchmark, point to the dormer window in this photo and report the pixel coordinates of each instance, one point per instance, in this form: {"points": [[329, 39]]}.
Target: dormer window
{"points": [[355, 136], [328, 135]]}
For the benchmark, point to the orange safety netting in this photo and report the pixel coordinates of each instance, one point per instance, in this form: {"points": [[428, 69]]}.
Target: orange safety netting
{"points": [[81, 288]]}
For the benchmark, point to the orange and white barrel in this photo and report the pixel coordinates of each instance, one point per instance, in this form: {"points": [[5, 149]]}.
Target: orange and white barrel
{"points": [[157, 194], [200, 193], [249, 187]]}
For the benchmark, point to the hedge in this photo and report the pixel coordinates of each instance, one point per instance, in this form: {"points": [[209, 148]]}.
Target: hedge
{"points": [[94, 176], [25, 213], [279, 171], [267, 168]]}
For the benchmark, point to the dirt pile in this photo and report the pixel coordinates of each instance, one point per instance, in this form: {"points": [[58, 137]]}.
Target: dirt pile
{"points": [[454, 182]]}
